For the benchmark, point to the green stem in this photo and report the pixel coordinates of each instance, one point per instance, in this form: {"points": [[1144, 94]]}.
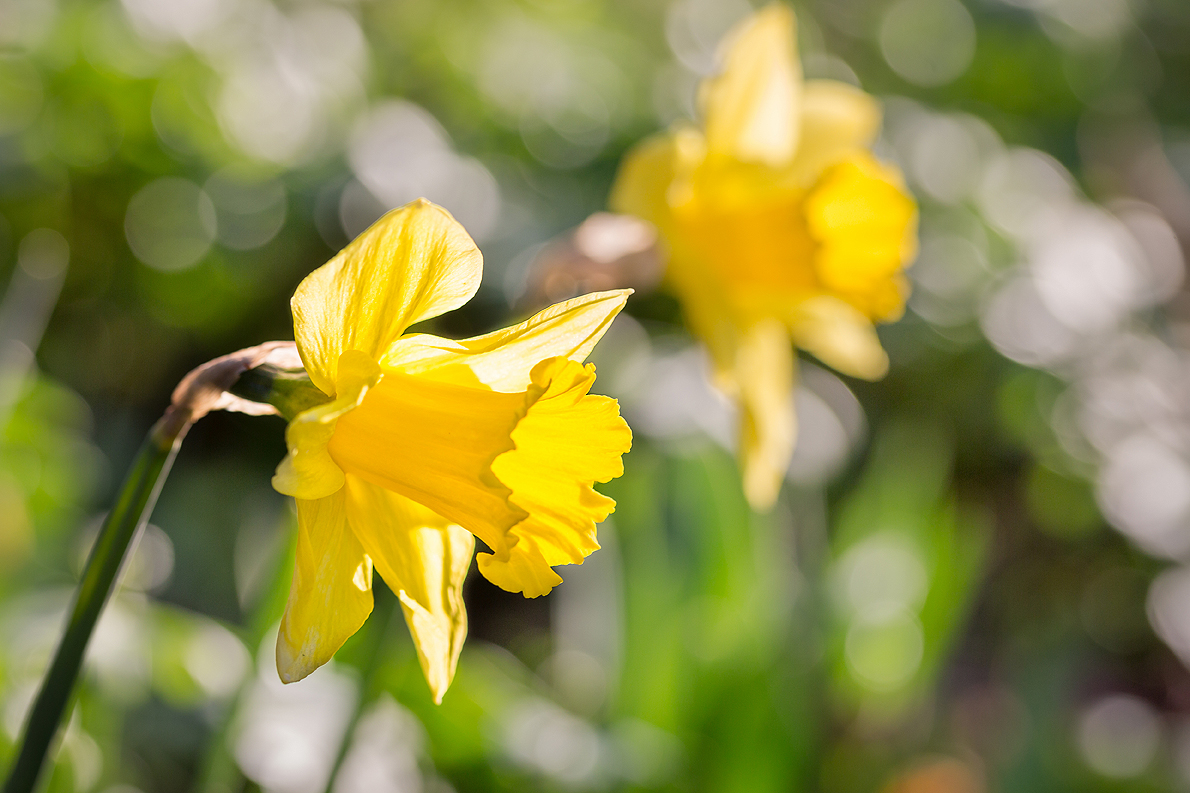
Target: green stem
{"points": [[814, 553], [137, 497], [290, 391]]}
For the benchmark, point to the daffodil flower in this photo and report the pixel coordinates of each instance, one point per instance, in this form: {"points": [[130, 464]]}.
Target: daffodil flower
{"points": [[781, 228], [423, 443]]}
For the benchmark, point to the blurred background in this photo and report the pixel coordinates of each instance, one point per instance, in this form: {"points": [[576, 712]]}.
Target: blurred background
{"points": [[973, 581]]}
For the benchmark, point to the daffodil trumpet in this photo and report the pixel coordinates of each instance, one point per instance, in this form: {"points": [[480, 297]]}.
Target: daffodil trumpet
{"points": [[781, 230], [408, 446]]}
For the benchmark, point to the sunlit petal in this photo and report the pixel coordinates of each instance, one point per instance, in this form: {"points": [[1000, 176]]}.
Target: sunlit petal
{"points": [[708, 309], [423, 557], [652, 173], [567, 441], [865, 225], [414, 263], [837, 120], [764, 375], [502, 360], [515, 469], [435, 442], [840, 336], [748, 235], [308, 471], [331, 593], [752, 109]]}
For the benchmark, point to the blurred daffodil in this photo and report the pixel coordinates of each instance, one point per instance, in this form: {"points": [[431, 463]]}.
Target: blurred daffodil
{"points": [[780, 227], [423, 442]]}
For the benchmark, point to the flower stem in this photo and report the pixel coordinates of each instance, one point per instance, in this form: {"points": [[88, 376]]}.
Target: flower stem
{"points": [[136, 499]]}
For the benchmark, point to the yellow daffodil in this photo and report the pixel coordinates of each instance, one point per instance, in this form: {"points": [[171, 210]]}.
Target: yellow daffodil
{"points": [[781, 230], [423, 442]]}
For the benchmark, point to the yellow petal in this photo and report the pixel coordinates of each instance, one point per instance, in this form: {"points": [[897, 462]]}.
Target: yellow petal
{"points": [[308, 471], [331, 593], [444, 446], [865, 226], [424, 559], [837, 120], [414, 263], [742, 253], [502, 360], [434, 442], [884, 300], [753, 107], [764, 373], [567, 441], [840, 336], [754, 242], [651, 170]]}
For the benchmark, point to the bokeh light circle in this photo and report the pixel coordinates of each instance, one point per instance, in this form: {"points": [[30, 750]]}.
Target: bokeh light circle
{"points": [[1119, 736], [170, 224], [928, 42], [885, 650]]}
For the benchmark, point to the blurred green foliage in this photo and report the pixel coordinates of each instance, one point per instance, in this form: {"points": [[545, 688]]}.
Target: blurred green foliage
{"points": [[950, 588]]}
